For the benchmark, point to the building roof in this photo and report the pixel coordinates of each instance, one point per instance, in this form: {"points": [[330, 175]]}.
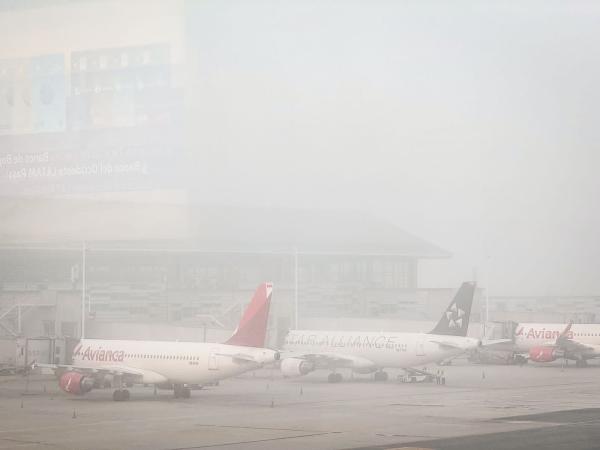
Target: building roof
{"points": [[67, 223], [307, 230]]}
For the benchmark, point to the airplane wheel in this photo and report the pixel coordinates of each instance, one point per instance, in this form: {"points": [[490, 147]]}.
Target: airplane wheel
{"points": [[186, 392], [125, 395], [381, 376], [334, 378], [581, 363], [118, 395], [179, 391]]}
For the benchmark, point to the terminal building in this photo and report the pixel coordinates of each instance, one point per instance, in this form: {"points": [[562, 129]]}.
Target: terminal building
{"points": [[99, 143], [337, 264]]}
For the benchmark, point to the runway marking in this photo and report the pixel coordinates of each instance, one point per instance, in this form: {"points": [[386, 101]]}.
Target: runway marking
{"points": [[254, 441], [411, 448], [23, 442], [176, 418], [416, 404], [264, 428]]}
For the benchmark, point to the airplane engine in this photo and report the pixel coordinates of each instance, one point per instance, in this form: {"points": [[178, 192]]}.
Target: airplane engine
{"points": [[296, 367], [543, 354], [75, 383]]}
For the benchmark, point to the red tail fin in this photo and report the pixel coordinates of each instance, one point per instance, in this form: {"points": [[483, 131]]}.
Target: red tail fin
{"points": [[252, 329]]}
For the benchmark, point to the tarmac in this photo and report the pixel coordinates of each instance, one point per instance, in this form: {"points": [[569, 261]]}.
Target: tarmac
{"points": [[534, 406]]}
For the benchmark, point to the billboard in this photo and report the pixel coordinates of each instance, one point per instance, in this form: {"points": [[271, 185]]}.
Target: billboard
{"points": [[110, 121]]}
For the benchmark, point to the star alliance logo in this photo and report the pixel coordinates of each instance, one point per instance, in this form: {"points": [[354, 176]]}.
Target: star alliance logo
{"points": [[455, 316]]}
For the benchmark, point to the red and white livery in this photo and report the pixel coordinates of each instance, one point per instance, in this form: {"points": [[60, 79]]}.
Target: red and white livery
{"points": [[176, 364], [547, 342]]}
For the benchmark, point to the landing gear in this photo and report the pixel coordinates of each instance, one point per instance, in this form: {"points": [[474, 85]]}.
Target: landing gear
{"points": [[180, 391], [335, 378], [121, 395], [580, 363], [381, 376]]}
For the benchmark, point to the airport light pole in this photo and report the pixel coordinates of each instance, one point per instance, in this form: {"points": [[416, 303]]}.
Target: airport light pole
{"points": [[296, 287], [487, 296], [83, 291]]}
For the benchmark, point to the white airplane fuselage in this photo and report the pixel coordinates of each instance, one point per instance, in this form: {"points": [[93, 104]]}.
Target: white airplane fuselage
{"points": [[173, 362], [373, 350]]}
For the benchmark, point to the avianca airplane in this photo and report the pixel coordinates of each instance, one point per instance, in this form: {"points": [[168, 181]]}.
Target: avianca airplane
{"points": [[546, 342], [367, 352], [179, 364]]}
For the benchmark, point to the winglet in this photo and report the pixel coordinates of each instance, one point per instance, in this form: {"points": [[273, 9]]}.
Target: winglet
{"points": [[455, 320], [565, 333], [252, 329]]}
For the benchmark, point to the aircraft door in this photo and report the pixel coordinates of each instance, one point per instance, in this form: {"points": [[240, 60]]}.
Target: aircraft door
{"points": [[212, 360], [421, 347]]}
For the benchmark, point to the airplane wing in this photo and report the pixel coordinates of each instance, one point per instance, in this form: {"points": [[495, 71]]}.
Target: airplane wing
{"points": [[333, 360], [571, 346], [134, 374], [497, 343], [240, 358], [447, 345], [413, 371]]}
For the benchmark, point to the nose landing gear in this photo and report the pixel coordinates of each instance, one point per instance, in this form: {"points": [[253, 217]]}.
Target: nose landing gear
{"points": [[181, 391], [120, 395]]}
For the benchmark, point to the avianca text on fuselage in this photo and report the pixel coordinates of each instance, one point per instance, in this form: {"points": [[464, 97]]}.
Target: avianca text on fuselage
{"points": [[543, 333], [99, 354]]}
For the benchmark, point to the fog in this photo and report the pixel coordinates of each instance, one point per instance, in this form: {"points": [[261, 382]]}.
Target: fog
{"points": [[471, 125], [237, 197]]}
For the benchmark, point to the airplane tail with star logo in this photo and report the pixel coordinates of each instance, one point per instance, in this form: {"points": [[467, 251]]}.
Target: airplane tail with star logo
{"points": [[455, 320]]}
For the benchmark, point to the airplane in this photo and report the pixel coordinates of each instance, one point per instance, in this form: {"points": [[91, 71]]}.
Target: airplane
{"points": [[547, 342], [176, 364], [370, 352]]}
